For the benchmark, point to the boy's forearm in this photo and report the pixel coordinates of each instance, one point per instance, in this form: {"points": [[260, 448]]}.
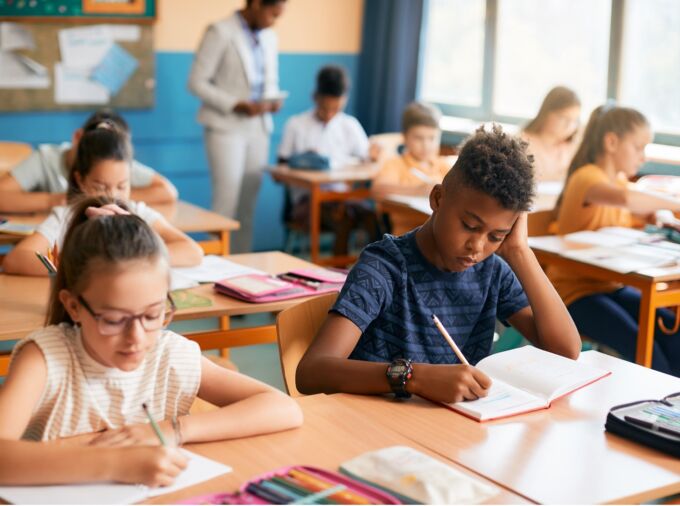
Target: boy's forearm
{"points": [[332, 375], [555, 329]]}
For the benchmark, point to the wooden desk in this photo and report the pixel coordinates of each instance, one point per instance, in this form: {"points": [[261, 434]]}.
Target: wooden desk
{"points": [[407, 213], [331, 434], [313, 181], [185, 216], [23, 303], [660, 287], [561, 455]]}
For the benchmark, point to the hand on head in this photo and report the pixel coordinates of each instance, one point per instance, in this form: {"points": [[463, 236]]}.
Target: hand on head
{"points": [[107, 210]]}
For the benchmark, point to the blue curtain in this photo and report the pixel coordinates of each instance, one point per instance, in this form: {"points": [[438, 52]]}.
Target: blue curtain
{"points": [[388, 66]]}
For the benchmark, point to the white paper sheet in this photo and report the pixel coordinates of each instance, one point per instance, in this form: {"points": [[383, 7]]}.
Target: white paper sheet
{"points": [[73, 86], [199, 469], [214, 268], [124, 33], [84, 47], [14, 36], [18, 71]]}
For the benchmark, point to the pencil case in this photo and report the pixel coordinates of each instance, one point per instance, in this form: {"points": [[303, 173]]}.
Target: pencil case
{"points": [[619, 422], [271, 481]]}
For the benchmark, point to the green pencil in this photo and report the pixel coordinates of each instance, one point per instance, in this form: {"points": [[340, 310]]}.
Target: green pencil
{"points": [[154, 425]]}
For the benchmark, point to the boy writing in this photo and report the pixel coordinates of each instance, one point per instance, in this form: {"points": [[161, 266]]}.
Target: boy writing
{"points": [[38, 183], [379, 336], [420, 167], [329, 131]]}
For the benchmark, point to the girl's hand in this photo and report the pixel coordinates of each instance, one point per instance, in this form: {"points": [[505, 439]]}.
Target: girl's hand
{"points": [[517, 239], [134, 435], [153, 466], [107, 210]]}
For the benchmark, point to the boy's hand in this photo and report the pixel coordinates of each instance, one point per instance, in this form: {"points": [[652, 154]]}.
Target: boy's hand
{"points": [[153, 466], [248, 108], [449, 383], [374, 151], [517, 239]]}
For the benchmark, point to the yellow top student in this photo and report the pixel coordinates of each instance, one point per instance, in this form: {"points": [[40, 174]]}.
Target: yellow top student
{"points": [[420, 167], [597, 194], [379, 336], [104, 352], [102, 167]]}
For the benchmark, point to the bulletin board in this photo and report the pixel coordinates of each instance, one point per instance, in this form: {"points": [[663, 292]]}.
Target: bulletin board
{"points": [[55, 10], [138, 91]]}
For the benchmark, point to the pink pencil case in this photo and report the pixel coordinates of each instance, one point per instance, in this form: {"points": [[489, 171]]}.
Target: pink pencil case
{"points": [[373, 494], [320, 274], [260, 288]]}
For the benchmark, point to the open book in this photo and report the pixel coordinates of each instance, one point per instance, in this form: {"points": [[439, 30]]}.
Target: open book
{"points": [[526, 379]]}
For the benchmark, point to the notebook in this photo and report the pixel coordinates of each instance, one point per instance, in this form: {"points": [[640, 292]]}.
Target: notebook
{"points": [[12, 228], [526, 379], [199, 469], [624, 259]]}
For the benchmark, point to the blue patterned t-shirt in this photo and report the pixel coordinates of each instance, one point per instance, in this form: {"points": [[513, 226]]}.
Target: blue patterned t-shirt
{"points": [[392, 292]]}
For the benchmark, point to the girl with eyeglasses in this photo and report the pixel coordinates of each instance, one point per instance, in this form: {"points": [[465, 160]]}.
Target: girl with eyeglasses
{"points": [[104, 352], [102, 168]]}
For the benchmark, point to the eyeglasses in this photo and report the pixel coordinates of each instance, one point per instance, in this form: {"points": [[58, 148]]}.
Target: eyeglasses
{"points": [[110, 323]]}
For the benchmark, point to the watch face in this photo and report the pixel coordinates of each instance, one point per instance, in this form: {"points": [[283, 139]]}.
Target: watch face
{"points": [[398, 369]]}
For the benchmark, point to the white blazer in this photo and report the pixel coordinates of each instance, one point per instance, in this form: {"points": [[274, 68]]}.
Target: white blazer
{"points": [[223, 70]]}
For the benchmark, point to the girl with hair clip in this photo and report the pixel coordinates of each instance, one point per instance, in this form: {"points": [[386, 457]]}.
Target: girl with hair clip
{"points": [[104, 352], [597, 194], [102, 167], [552, 133]]}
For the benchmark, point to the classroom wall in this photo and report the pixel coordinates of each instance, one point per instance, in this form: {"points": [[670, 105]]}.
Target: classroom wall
{"points": [[311, 33]]}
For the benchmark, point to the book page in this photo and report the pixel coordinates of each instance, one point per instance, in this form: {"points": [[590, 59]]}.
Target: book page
{"points": [[630, 258], [541, 373], [502, 400]]}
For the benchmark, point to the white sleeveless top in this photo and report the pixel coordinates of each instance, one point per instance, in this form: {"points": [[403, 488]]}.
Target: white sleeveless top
{"points": [[82, 396]]}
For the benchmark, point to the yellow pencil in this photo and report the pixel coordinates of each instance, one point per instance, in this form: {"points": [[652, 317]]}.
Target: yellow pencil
{"points": [[449, 340]]}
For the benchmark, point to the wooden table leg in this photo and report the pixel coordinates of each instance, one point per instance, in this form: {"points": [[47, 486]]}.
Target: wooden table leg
{"points": [[224, 325], [224, 242], [315, 223], [645, 337]]}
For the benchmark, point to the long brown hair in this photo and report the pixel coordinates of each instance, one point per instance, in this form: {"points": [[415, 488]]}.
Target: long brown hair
{"points": [[104, 141], [557, 99], [91, 242], [604, 119]]}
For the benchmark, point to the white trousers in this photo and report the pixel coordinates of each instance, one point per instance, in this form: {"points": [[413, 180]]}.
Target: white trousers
{"points": [[237, 160]]}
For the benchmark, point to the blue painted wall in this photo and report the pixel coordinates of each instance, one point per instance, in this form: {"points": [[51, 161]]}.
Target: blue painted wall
{"points": [[169, 139]]}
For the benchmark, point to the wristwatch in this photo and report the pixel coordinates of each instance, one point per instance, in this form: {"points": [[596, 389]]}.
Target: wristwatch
{"points": [[399, 372]]}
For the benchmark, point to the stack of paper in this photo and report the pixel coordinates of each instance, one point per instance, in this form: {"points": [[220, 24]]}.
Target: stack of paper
{"points": [[212, 268], [17, 70]]}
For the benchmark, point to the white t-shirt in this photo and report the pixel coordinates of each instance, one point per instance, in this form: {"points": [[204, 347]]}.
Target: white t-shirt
{"points": [[54, 226], [342, 139], [81, 395], [46, 171]]}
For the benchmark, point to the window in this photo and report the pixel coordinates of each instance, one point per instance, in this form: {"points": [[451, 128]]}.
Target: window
{"points": [[650, 62], [496, 59]]}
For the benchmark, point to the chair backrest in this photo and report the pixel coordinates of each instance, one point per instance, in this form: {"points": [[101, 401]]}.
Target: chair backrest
{"points": [[12, 153], [295, 329], [538, 223], [389, 142]]}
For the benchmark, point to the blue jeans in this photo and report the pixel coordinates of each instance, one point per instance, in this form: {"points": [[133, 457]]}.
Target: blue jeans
{"points": [[612, 319]]}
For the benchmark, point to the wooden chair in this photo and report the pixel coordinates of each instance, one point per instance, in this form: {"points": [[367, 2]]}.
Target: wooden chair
{"points": [[295, 329], [538, 223], [11, 153]]}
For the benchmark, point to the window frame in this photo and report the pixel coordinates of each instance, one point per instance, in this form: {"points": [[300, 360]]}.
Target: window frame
{"points": [[485, 112]]}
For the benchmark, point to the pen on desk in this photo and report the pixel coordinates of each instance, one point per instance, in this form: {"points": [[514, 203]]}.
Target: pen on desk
{"points": [[293, 279], [153, 423], [451, 342], [422, 176], [48, 265]]}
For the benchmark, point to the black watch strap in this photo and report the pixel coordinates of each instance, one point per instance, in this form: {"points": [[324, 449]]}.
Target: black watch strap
{"points": [[398, 373]]}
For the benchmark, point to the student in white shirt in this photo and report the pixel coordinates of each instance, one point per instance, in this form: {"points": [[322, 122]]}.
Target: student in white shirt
{"points": [[330, 132], [102, 167], [38, 183]]}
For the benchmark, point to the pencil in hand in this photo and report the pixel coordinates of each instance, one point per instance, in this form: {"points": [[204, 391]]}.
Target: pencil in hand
{"points": [[449, 340], [51, 269], [154, 425]]}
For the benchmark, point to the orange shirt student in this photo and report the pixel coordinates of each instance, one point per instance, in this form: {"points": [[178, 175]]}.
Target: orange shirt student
{"points": [[420, 167]]}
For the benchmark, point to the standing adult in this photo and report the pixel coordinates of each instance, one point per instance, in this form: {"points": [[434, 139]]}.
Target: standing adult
{"points": [[235, 74]]}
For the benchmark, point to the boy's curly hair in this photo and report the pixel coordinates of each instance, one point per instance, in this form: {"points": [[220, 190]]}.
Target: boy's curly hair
{"points": [[498, 165]]}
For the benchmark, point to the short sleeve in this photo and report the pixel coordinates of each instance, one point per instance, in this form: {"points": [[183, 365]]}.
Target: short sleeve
{"points": [[140, 175], [511, 296], [359, 139], [148, 214], [583, 180], [29, 173], [53, 226], [369, 287], [287, 146]]}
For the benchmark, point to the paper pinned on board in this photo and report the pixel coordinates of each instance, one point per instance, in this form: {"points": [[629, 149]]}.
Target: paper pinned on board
{"points": [[13, 36], [73, 86], [115, 69], [19, 71], [84, 47], [124, 33]]}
